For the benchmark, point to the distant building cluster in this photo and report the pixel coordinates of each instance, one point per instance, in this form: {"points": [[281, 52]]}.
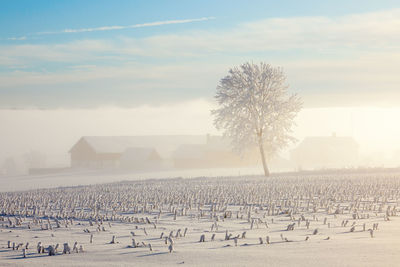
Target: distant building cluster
{"points": [[199, 151], [152, 153], [156, 152]]}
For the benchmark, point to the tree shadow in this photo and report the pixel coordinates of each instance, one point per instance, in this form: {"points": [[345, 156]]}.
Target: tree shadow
{"points": [[30, 256], [153, 254], [130, 252]]}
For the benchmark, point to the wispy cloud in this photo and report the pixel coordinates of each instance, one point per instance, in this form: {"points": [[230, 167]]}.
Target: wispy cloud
{"points": [[111, 28], [21, 38], [344, 58], [141, 25]]}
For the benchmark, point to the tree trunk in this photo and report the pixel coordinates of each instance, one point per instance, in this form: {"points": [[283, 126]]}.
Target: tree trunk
{"points": [[266, 171]]}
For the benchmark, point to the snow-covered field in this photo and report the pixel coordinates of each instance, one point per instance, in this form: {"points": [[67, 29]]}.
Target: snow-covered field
{"points": [[315, 220], [88, 177]]}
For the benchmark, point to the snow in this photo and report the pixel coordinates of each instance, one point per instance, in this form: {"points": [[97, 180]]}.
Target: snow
{"points": [[87, 177], [374, 198]]}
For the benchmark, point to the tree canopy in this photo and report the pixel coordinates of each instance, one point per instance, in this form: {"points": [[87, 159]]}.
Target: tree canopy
{"points": [[255, 108]]}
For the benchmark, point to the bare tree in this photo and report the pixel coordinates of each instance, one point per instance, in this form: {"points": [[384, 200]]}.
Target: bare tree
{"points": [[256, 109]]}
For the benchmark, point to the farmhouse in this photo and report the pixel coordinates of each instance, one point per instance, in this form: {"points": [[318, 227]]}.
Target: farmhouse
{"points": [[325, 152]]}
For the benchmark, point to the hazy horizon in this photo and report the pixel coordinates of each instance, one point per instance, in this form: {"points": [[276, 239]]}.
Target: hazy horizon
{"points": [[53, 132], [152, 69]]}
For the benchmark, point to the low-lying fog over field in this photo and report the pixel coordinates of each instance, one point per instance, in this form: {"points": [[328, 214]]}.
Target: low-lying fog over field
{"points": [[334, 220]]}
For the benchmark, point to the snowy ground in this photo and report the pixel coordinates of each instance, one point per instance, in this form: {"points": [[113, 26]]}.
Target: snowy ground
{"points": [[341, 208], [74, 178]]}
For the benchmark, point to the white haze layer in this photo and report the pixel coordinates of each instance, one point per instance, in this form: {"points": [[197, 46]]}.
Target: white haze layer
{"points": [[53, 132]]}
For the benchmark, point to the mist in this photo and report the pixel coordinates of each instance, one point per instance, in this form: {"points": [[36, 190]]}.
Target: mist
{"points": [[53, 132]]}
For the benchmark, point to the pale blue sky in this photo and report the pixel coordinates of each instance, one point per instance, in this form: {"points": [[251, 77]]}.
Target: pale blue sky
{"points": [[130, 53]]}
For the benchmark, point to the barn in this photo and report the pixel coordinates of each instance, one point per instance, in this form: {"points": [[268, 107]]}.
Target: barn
{"points": [[109, 152]]}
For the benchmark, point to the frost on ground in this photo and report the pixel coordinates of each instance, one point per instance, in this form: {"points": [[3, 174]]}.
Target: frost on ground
{"points": [[328, 220]]}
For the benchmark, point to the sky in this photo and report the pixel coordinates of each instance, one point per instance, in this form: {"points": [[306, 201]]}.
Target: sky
{"points": [[59, 59], [129, 53]]}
